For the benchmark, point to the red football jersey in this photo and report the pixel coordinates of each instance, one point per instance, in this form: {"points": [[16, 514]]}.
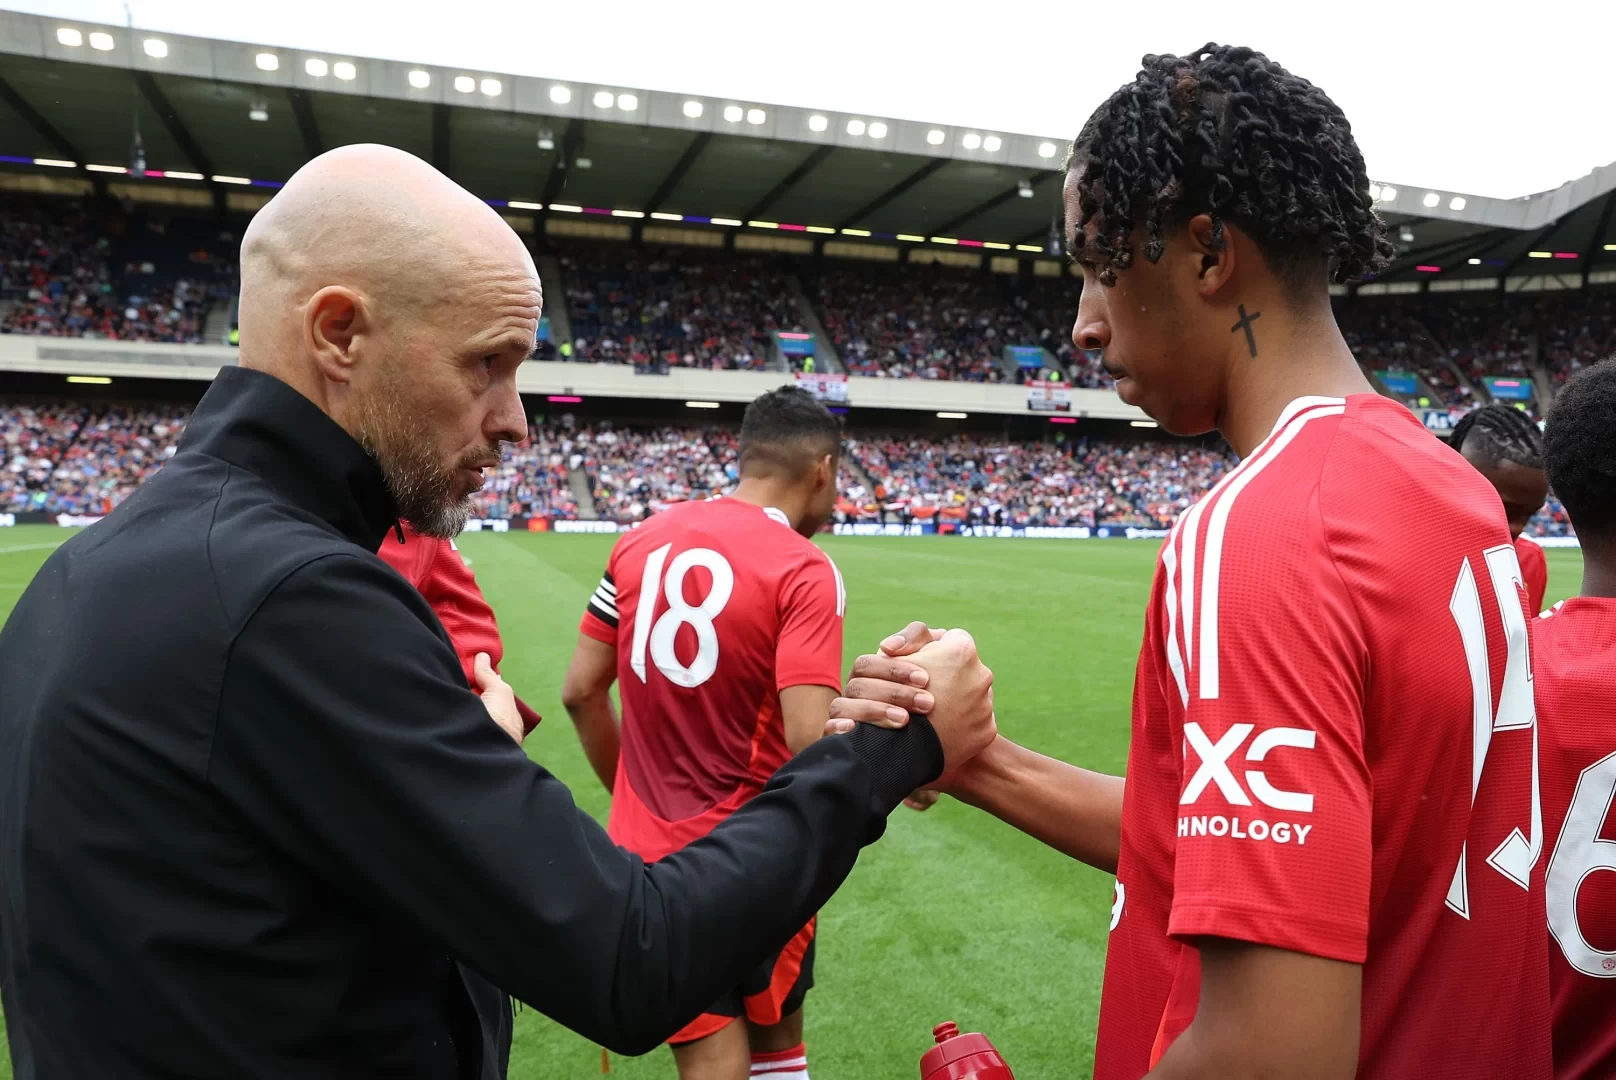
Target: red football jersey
{"points": [[1575, 648], [1534, 572], [715, 607], [1333, 703], [439, 574]]}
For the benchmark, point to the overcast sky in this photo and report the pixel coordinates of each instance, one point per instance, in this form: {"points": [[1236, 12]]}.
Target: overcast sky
{"points": [[1480, 97]]}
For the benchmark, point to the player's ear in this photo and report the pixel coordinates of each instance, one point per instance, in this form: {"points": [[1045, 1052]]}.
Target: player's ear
{"points": [[1212, 248]]}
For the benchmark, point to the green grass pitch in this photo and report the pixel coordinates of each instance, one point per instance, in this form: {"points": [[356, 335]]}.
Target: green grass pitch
{"points": [[952, 916]]}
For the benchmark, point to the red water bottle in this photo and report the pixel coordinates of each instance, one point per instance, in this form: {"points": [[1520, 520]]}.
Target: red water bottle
{"points": [[962, 1057]]}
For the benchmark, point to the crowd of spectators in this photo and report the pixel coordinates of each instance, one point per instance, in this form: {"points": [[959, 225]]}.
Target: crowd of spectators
{"points": [[976, 480], [634, 472], [533, 481], [85, 459], [32, 438], [663, 307], [1049, 306], [65, 272], [1575, 330], [115, 450], [927, 322]]}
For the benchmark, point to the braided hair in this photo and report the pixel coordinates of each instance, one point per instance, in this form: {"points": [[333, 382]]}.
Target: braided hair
{"points": [[1580, 452], [1227, 132], [1499, 433]]}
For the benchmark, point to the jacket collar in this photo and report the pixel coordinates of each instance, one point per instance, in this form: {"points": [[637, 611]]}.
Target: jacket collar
{"points": [[258, 423]]}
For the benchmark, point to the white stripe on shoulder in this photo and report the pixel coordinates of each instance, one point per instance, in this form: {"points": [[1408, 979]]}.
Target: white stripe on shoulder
{"points": [[1175, 663], [774, 513], [1217, 526], [841, 588], [1290, 412]]}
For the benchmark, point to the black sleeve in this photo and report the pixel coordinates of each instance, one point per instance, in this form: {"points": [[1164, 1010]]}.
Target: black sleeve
{"points": [[345, 732]]}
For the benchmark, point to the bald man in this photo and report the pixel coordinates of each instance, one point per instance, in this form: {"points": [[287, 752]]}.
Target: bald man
{"points": [[252, 825]]}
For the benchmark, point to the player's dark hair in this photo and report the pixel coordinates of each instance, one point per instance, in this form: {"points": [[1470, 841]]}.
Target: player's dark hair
{"points": [[1227, 132], [1579, 451], [1499, 433], [787, 430]]}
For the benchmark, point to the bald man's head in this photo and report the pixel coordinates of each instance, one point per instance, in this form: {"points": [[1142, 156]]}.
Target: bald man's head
{"points": [[402, 305]]}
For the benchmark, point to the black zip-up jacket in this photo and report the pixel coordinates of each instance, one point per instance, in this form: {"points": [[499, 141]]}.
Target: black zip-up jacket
{"points": [[254, 825]]}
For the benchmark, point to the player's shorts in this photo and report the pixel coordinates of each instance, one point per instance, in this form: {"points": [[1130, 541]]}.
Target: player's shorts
{"points": [[771, 993]]}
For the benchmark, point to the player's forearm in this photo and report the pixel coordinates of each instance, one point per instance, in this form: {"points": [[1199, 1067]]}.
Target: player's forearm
{"points": [[1073, 810], [596, 721]]}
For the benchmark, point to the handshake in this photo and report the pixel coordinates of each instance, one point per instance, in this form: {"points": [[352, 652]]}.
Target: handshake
{"points": [[936, 673]]}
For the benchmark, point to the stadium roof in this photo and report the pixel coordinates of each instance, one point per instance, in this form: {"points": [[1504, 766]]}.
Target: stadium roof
{"points": [[73, 92]]}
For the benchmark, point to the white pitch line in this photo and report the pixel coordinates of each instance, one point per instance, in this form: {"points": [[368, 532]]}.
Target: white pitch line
{"points": [[31, 547]]}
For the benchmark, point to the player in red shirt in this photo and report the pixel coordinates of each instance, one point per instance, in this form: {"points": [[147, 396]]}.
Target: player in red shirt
{"points": [[721, 622], [1326, 843], [439, 574], [1506, 446], [1575, 648]]}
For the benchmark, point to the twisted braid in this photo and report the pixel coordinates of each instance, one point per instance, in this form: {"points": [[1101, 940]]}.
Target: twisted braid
{"points": [[1501, 434], [1227, 132]]}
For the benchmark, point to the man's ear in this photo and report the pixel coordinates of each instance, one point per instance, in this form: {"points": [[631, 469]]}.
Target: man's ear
{"points": [[334, 318], [1217, 257], [826, 472]]}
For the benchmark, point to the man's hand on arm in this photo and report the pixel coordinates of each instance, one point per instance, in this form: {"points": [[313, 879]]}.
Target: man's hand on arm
{"points": [[499, 699], [1073, 810], [587, 694], [1268, 1014]]}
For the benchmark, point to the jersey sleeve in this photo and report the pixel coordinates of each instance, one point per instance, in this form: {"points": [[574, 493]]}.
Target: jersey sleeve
{"points": [[1534, 572], [1274, 814], [812, 603], [600, 615]]}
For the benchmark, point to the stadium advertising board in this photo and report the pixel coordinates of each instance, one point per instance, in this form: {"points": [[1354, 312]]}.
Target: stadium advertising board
{"points": [[1400, 382], [1049, 396], [1027, 356], [832, 388], [7, 520], [1510, 389], [793, 343], [1439, 421]]}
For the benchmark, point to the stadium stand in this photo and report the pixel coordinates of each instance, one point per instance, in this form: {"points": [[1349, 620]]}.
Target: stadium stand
{"points": [[534, 479], [64, 458], [68, 271], [33, 438], [925, 322], [658, 307], [986, 481], [634, 472]]}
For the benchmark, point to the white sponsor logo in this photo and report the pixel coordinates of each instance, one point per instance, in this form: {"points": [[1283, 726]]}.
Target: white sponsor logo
{"points": [[1279, 832], [7, 520], [71, 521], [870, 528], [1214, 768], [585, 527], [498, 525], [1214, 771]]}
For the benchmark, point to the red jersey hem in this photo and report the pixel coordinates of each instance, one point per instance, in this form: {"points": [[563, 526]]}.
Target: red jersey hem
{"points": [[1280, 930]]}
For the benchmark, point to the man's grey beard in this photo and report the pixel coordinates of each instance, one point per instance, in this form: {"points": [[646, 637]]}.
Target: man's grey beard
{"points": [[423, 490]]}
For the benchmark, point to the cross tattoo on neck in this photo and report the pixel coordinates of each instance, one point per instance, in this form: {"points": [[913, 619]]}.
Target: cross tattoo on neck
{"points": [[1245, 324]]}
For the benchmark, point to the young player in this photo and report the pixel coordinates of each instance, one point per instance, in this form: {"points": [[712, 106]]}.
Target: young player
{"points": [[1325, 846], [722, 624], [442, 577], [1506, 447], [1575, 648]]}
